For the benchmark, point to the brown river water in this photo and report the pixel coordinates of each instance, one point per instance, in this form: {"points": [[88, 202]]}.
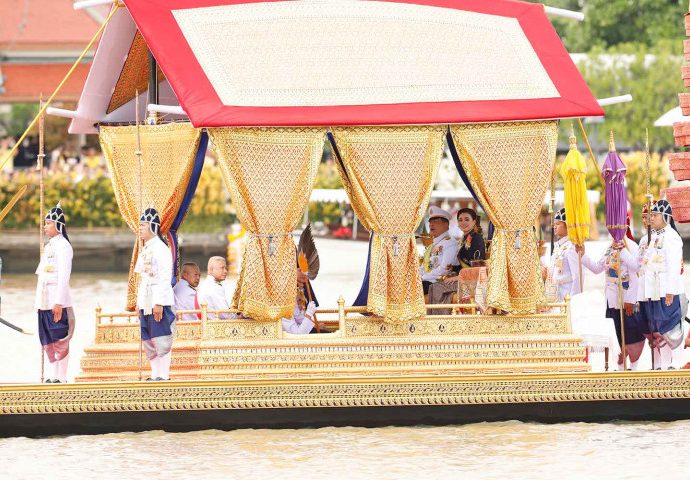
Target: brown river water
{"points": [[479, 451], [621, 450]]}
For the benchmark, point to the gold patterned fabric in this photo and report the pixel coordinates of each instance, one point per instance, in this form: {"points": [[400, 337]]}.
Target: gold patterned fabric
{"points": [[168, 153], [269, 173], [388, 173], [509, 166]]}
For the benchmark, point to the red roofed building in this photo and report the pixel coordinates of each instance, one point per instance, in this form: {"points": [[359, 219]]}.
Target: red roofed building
{"points": [[39, 41]]}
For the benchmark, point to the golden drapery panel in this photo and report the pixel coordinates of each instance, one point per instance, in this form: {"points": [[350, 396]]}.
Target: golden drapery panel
{"points": [[509, 166], [388, 173], [167, 160], [269, 173]]}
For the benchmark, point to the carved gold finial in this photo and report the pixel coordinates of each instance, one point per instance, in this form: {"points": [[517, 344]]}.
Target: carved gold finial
{"points": [[573, 139], [612, 142]]}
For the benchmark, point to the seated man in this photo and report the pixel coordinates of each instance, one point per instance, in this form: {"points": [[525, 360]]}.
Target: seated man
{"points": [[442, 253], [185, 290], [212, 290], [302, 320]]}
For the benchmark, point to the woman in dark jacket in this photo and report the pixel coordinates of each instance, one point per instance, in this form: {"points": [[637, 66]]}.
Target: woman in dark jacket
{"points": [[471, 248]]}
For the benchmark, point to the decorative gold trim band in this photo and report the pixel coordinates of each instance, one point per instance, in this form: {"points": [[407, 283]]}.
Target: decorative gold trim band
{"points": [[342, 392]]}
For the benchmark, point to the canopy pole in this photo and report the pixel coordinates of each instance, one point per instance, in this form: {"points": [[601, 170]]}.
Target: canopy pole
{"points": [[562, 12], [13, 150], [589, 147], [603, 102], [152, 118]]}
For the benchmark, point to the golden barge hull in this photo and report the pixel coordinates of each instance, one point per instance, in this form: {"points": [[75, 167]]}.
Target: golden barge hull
{"points": [[176, 406]]}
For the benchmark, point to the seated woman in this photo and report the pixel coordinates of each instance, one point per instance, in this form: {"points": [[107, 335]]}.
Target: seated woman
{"points": [[471, 249]]}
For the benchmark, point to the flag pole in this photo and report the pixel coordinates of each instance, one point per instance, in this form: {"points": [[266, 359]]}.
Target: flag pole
{"points": [[138, 154], [648, 197], [621, 309], [41, 196], [589, 148], [552, 205]]}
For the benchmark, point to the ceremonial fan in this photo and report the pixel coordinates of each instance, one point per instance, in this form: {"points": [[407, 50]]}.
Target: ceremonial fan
{"points": [[308, 262]]}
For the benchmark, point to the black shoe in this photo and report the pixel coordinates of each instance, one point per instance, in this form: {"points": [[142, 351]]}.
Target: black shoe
{"points": [[57, 381], [151, 379], [671, 368], [161, 379], [48, 380]]}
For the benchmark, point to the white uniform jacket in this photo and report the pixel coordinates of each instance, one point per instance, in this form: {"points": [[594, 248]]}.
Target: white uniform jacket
{"points": [[214, 295], [154, 267], [54, 272], [662, 264], [441, 254], [299, 324], [608, 264], [564, 270], [185, 299]]}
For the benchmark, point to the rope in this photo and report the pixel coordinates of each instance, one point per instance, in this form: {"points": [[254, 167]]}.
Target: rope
{"points": [[13, 150]]}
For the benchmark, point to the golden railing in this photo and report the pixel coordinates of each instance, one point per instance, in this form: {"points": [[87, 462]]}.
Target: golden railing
{"points": [[465, 319]]}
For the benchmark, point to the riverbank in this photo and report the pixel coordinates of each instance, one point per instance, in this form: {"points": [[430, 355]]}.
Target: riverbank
{"points": [[100, 249]]}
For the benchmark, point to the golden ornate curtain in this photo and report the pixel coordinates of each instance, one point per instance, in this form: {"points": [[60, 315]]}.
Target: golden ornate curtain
{"points": [[269, 173], [388, 173], [509, 166], [167, 160]]}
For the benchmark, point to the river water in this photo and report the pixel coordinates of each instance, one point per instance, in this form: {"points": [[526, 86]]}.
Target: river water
{"points": [[485, 450], [480, 451]]}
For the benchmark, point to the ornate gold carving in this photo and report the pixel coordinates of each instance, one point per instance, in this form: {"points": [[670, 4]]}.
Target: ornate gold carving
{"points": [[460, 325], [328, 392], [364, 347]]}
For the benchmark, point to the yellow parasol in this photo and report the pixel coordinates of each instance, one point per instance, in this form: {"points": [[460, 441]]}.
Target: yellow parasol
{"points": [[573, 171]]}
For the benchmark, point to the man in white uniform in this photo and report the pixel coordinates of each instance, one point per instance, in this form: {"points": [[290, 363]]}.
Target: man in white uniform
{"points": [[302, 320], [155, 297], [620, 259], [563, 275], [53, 297], [185, 290], [663, 283], [212, 290], [443, 251]]}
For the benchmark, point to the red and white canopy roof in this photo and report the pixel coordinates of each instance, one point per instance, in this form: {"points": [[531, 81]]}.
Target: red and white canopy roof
{"points": [[360, 62]]}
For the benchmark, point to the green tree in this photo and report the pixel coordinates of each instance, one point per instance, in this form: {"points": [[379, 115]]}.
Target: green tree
{"points": [[650, 75], [611, 22]]}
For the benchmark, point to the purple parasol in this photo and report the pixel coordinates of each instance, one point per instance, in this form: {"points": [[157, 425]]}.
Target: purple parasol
{"points": [[615, 194]]}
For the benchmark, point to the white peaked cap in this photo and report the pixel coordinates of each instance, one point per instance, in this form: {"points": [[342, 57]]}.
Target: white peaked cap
{"points": [[438, 212]]}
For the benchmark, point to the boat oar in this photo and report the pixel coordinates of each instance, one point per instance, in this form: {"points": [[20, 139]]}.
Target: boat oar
{"points": [[14, 327], [12, 202]]}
